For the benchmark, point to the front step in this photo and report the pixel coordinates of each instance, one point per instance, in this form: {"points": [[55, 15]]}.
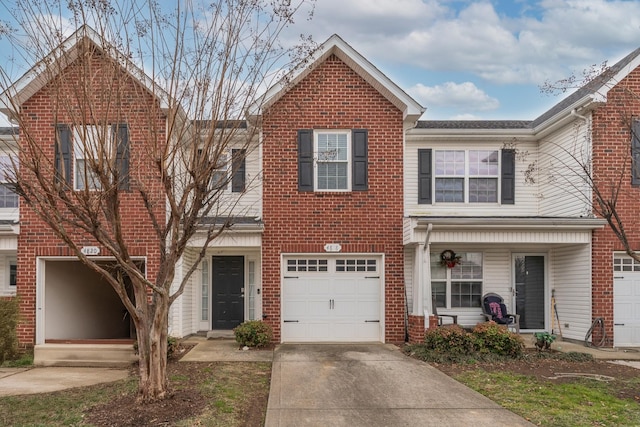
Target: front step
{"points": [[219, 333], [83, 355]]}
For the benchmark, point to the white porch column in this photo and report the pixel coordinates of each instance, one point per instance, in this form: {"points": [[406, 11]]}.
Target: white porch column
{"points": [[426, 284], [418, 294]]}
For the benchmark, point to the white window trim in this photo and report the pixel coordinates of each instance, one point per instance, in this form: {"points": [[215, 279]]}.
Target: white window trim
{"points": [[349, 160], [8, 161], [7, 288], [467, 177], [448, 280]]}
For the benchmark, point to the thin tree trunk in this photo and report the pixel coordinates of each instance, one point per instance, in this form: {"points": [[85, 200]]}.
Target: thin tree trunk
{"points": [[152, 334]]}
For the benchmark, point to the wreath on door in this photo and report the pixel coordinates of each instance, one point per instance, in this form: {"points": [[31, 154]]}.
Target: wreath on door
{"points": [[449, 259]]}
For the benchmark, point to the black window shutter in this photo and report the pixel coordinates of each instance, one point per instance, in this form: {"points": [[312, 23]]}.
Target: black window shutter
{"points": [[121, 132], [63, 154], [238, 170], [305, 160], [360, 160], [424, 176], [508, 176], [635, 153]]}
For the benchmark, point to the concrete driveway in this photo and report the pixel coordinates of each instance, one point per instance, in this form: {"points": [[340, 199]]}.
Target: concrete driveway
{"points": [[371, 385]]}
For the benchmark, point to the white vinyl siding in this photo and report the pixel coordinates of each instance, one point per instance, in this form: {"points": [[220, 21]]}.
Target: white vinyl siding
{"points": [[249, 202], [409, 257], [526, 195], [570, 276], [563, 192], [182, 314]]}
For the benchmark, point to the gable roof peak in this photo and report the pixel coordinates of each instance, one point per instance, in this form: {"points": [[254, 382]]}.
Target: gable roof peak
{"points": [[335, 45], [63, 55]]}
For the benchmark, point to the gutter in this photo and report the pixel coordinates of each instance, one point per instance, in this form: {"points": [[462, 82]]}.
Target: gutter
{"points": [[508, 223]]}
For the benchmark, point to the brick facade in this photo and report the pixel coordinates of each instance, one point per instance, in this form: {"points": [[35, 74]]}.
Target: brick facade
{"points": [[333, 96], [611, 152], [135, 107]]}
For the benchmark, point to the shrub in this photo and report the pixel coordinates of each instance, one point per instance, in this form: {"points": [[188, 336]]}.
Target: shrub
{"points": [[450, 339], [253, 333], [493, 338], [8, 325]]}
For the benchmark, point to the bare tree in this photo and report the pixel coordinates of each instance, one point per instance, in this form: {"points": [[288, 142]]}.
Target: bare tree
{"points": [[147, 104], [606, 190]]}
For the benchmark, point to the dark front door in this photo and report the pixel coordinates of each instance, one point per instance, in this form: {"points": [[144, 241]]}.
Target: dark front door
{"points": [[228, 291], [530, 291]]}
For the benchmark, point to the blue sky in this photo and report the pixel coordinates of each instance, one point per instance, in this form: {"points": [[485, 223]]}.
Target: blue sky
{"points": [[475, 59], [481, 59]]}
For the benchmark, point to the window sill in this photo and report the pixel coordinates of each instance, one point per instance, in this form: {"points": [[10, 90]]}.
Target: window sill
{"points": [[343, 193]]}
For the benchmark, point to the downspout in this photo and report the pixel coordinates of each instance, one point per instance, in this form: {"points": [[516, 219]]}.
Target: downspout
{"points": [[574, 113], [426, 287]]}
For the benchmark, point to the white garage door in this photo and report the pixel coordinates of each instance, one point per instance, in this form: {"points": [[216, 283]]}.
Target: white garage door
{"points": [[331, 300], [626, 300]]}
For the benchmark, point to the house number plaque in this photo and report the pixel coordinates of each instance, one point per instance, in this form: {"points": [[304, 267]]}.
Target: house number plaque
{"points": [[90, 250], [332, 247]]}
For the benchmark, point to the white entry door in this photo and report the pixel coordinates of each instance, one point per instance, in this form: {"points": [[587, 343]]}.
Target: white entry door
{"points": [[331, 300], [626, 300]]}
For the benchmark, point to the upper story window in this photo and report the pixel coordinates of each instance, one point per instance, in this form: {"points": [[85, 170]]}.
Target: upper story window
{"points": [[77, 149], [220, 175], [333, 157], [333, 160], [90, 144], [466, 176], [8, 197]]}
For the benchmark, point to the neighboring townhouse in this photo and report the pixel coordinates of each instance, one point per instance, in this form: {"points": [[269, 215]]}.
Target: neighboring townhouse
{"points": [[512, 199], [9, 227], [343, 210]]}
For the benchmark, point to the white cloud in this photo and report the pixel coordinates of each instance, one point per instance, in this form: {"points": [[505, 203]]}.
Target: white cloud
{"points": [[461, 96], [541, 41]]}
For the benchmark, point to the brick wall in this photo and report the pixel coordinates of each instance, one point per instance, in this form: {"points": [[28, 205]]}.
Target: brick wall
{"points": [[611, 155], [333, 96], [55, 103]]}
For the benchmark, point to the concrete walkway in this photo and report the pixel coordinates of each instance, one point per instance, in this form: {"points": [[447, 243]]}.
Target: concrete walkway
{"points": [[223, 350], [15, 381], [371, 385]]}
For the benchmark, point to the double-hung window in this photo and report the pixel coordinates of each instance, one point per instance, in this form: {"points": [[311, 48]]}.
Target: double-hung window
{"points": [[83, 152], [333, 158], [220, 174], [8, 197], [466, 176], [460, 286], [91, 144]]}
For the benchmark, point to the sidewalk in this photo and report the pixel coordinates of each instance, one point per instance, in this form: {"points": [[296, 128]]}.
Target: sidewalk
{"points": [[597, 353]]}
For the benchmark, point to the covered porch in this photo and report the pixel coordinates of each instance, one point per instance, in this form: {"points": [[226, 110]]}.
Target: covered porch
{"points": [[524, 260]]}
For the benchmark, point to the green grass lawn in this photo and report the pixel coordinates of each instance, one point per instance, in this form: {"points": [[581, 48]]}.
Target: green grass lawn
{"points": [[582, 402], [235, 395]]}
